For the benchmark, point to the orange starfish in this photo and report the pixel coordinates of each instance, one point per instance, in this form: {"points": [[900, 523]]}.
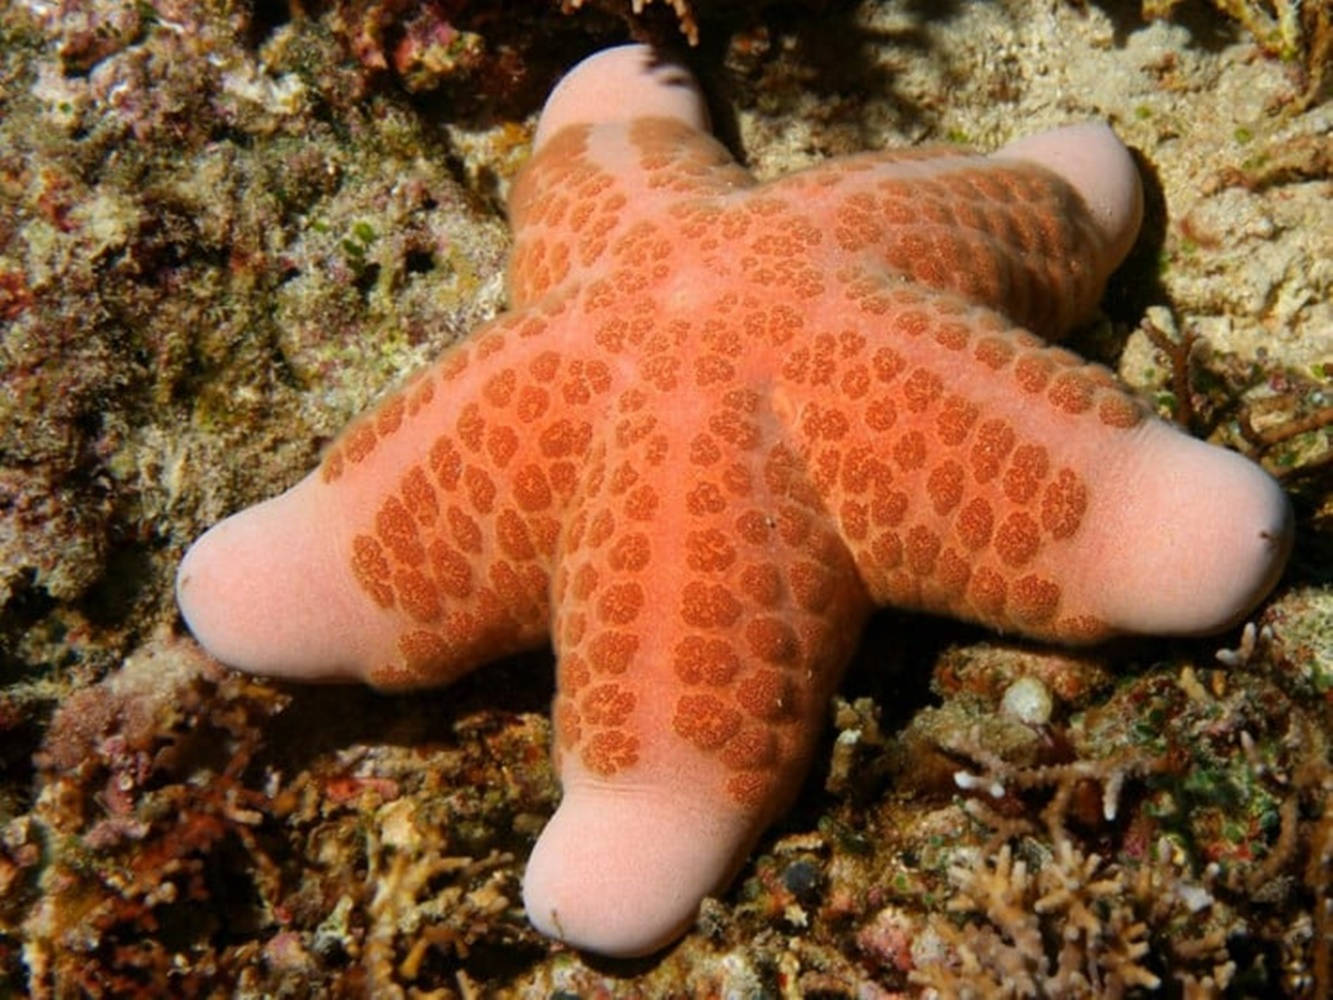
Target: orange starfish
{"points": [[719, 424]]}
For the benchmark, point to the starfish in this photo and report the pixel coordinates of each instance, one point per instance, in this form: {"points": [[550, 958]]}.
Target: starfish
{"points": [[720, 423]]}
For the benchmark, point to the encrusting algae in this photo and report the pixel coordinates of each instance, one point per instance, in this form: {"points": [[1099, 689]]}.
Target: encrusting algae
{"points": [[232, 229]]}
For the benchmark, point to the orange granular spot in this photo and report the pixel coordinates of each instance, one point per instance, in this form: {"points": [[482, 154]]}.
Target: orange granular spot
{"points": [[419, 497], [446, 463], [988, 591], [332, 467], [630, 553], [606, 705], [359, 443], [396, 529], [610, 751], [811, 585], [772, 640], [1119, 410], [944, 485], [533, 402], [767, 695], [888, 364], [993, 352], [909, 451], [584, 582], [612, 652], [565, 720], [512, 533], [641, 504], [923, 546], [708, 551], [921, 388], [371, 569], [420, 597], [703, 660], [480, 488], [1027, 469], [464, 530], [954, 421], [389, 417], [423, 651], [1017, 539], [749, 789], [1082, 629], [501, 444], [975, 522], [755, 746], [452, 571], [1032, 372], [762, 583], [620, 603], [708, 605], [705, 720], [532, 491], [952, 573], [1034, 600], [1072, 392], [1063, 504]]}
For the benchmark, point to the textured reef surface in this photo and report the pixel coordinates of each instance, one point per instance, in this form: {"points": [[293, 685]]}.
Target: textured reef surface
{"points": [[226, 227]]}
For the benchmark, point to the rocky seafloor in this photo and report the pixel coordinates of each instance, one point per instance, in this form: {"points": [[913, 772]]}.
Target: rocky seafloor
{"points": [[226, 226]]}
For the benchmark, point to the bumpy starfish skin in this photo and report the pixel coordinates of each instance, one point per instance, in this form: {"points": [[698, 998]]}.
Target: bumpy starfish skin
{"points": [[719, 424]]}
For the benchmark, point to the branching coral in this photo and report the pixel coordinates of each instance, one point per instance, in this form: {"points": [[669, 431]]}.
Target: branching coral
{"points": [[1159, 864], [1063, 929]]}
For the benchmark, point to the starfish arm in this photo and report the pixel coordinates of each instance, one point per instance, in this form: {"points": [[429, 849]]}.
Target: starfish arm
{"points": [[592, 184], [1005, 233], [422, 544], [704, 611], [977, 472]]}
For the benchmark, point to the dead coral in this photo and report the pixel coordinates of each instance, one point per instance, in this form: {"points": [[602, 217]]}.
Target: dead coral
{"points": [[419, 899], [1291, 432], [1188, 811], [202, 227], [681, 8], [142, 863], [1063, 930], [1281, 419], [1295, 32], [169, 856], [419, 41]]}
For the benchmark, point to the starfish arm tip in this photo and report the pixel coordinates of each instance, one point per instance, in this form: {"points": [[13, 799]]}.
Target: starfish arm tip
{"points": [[622, 875], [1093, 160], [1214, 531], [248, 594], [621, 84]]}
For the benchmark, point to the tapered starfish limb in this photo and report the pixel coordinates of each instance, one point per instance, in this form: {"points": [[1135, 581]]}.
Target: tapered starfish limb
{"points": [[705, 609]]}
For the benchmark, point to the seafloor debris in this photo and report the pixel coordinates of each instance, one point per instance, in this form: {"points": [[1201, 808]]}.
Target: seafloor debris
{"points": [[1150, 835], [1290, 30]]}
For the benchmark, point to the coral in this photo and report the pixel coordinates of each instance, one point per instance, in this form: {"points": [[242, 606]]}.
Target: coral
{"points": [[175, 190], [133, 846], [1290, 30], [1067, 929], [157, 795], [1197, 840]]}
